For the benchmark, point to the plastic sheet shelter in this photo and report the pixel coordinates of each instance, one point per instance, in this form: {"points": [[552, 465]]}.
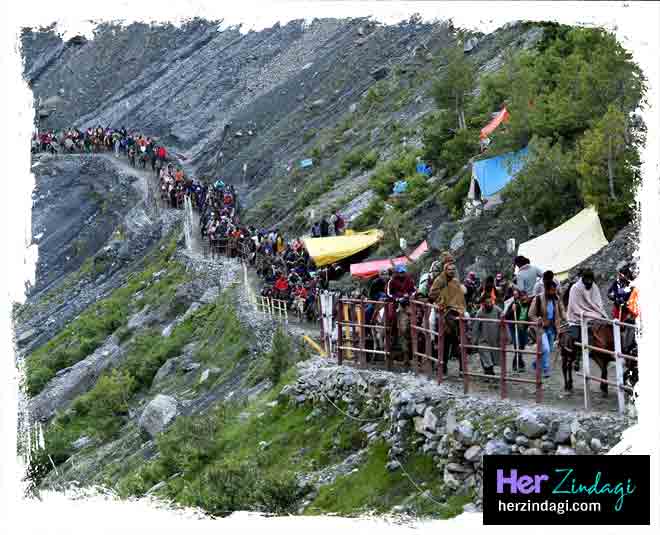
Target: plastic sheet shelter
{"points": [[491, 175], [332, 249], [566, 246], [367, 270], [501, 117]]}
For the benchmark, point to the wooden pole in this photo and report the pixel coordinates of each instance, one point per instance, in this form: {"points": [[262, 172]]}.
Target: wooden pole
{"points": [[503, 368], [586, 364]]}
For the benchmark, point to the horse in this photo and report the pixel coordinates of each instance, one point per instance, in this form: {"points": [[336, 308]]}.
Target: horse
{"points": [[601, 335]]}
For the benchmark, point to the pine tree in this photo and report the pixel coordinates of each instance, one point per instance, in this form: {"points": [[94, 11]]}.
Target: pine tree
{"points": [[455, 88], [601, 152]]}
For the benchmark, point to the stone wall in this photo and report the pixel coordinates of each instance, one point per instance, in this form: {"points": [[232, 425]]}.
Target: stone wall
{"points": [[455, 429]]}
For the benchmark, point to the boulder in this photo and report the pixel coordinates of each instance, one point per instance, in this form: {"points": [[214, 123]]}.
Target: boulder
{"points": [[464, 433], [473, 454], [319, 103], [159, 413], [563, 433], [497, 447], [430, 420], [208, 373], [522, 440], [419, 424], [470, 44], [596, 445], [458, 468], [529, 425]]}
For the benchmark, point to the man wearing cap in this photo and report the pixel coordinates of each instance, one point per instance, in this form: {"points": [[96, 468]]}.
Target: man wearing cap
{"points": [[401, 284], [619, 293]]}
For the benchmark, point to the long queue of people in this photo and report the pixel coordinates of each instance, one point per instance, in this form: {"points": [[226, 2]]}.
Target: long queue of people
{"points": [[289, 274], [140, 149], [284, 266]]}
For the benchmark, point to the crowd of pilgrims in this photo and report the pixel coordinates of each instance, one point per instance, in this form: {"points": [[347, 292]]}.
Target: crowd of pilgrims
{"points": [[289, 274]]}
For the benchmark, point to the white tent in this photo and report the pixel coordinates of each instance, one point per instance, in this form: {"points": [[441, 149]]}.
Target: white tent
{"points": [[566, 246]]}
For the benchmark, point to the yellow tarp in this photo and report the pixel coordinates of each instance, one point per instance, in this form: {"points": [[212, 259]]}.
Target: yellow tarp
{"points": [[325, 251], [566, 246]]}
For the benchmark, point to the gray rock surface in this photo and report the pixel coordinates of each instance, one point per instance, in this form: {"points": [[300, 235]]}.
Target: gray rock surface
{"points": [[60, 391], [159, 413]]}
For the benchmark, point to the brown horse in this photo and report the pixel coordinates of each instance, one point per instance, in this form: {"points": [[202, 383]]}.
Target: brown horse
{"points": [[601, 335]]}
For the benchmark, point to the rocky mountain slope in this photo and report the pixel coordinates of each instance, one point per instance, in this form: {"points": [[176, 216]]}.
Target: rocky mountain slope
{"points": [[148, 367]]}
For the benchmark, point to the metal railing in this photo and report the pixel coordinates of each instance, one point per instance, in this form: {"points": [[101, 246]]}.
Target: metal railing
{"points": [[503, 377], [617, 355], [360, 342]]}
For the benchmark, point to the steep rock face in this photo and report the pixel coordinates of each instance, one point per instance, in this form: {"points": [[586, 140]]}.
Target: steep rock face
{"points": [[274, 88], [77, 203]]}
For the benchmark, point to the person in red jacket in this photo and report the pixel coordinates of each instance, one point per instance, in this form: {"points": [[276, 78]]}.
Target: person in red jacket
{"points": [[281, 288], [401, 284]]}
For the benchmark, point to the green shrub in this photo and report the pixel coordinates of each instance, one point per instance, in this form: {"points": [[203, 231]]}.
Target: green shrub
{"points": [[369, 160], [223, 489], [455, 197], [279, 494], [106, 402], [387, 173]]}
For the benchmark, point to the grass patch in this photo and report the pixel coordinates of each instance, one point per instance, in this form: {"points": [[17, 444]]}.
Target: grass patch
{"points": [[230, 462], [372, 488]]}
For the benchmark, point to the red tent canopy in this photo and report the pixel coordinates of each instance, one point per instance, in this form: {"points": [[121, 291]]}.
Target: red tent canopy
{"points": [[501, 117], [367, 270]]}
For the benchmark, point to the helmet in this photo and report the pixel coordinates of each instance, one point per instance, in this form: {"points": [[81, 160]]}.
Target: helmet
{"points": [[472, 275], [499, 277], [400, 268]]}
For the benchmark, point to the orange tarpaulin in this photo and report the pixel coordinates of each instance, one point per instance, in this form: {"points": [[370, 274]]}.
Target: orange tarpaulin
{"points": [[366, 270], [501, 117]]}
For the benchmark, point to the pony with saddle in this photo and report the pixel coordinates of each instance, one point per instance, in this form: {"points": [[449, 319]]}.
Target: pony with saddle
{"points": [[601, 336]]}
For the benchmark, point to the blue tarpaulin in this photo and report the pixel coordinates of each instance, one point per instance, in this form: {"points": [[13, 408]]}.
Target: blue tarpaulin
{"points": [[495, 173], [306, 163], [423, 169], [400, 187]]}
